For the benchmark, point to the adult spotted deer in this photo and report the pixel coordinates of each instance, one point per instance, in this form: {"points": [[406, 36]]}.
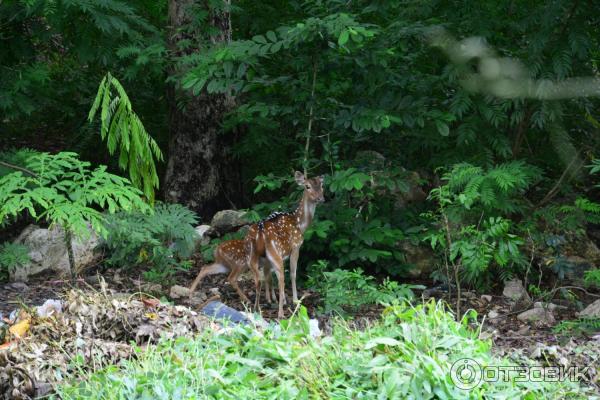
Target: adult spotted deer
{"points": [[232, 256], [280, 236]]}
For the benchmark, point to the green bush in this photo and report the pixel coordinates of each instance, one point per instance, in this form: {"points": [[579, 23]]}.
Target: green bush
{"points": [[12, 255], [409, 353], [160, 241], [347, 291]]}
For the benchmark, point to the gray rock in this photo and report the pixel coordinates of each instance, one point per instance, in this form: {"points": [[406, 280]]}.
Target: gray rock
{"points": [[549, 306], [47, 251], [539, 316], [148, 287], [515, 291], [228, 220], [591, 311], [178, 292], [486, 297], [493, 315], [203, 238]]}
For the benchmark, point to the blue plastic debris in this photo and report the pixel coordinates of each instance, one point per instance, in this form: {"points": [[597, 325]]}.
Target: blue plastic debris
{"points": [[218, 310]]}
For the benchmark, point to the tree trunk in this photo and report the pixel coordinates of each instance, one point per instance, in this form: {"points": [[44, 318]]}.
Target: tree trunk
{"points": [[201, 172]]}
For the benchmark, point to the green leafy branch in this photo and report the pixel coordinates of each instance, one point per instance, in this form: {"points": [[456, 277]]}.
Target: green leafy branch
{"points": [[122, 128]]}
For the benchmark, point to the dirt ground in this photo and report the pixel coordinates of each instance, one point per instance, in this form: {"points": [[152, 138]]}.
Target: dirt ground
{"points": [[511, 337]]}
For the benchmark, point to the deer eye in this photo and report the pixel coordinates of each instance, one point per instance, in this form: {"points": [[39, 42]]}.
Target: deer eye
{"points": [[307, 186]]}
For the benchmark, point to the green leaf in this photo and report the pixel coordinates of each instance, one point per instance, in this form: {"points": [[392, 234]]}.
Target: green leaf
{"points": [[343, 39]]}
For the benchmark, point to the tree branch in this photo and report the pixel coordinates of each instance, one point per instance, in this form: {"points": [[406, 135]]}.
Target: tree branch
{"points": [[310, 116], [17, 168]]}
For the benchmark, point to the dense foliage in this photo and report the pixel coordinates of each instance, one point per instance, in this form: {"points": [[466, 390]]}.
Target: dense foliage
{"points": [[408, 354], [494, 108], [161, 241]]}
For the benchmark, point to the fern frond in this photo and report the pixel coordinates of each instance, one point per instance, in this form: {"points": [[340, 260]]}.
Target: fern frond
{"points": [[122, 128]]}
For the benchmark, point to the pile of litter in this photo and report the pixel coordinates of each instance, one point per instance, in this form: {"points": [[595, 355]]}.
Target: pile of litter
{"points": [[84, 331]]}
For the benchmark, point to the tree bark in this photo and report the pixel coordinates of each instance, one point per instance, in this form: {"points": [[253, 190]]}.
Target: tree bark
{"points": [[201, 172]]}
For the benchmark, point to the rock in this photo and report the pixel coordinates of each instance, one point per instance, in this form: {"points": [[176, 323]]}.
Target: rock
{"points": [[203, 239], [574, 268], [313, 327], [486, 297], [92, 279], [549, 306], [539, 316], [148, 287], [198, 298], [47, 251], [17, 286], [178, 292], [421, 258], [524, 330], [493, 314], [228, 220], [515, 291], [591, 311]]}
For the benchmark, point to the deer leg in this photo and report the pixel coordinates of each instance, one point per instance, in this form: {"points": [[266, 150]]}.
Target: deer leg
{"points": [[253, 263], [233, 281], [212, 269], [267, 277], [277, 263], [257, 288], [293, 264]]}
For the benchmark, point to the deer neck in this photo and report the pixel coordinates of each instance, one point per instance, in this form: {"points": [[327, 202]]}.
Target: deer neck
{"points": [[305, 213]]}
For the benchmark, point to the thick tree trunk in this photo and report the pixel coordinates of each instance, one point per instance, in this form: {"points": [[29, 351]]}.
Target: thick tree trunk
{"points": [[201, 173]]}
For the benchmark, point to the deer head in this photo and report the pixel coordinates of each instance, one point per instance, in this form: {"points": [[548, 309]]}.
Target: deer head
{"points": [[313, 187]]}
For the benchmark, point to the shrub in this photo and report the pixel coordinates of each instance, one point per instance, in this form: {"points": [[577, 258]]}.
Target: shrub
{"points": [[161, 240], [63, 190], [12, 256], [347, 291], [409, 353]]}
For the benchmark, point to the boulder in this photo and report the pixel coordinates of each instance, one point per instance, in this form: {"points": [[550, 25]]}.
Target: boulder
{"points": [[591, 311], [47, 251], [539, 316], [575, 268], [515, 291], [228, 220], [421, 258]]}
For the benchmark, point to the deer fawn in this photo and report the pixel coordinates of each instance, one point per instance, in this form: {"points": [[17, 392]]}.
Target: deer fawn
{"points": [[232, 256], [280, 236]]}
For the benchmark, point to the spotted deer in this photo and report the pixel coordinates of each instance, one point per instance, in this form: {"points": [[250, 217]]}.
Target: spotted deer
{"points": [[232, 256], [280, 236]]}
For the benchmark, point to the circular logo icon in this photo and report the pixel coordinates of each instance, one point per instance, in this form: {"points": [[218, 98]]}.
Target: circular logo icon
{"points": [[466, 373]]}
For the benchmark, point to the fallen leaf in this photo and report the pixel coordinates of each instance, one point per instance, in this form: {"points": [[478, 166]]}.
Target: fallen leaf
{"points": [[151, 302], [20, 328]]}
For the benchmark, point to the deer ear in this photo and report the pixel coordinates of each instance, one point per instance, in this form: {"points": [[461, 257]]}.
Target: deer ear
{"points": [[299, 177], [322, 178]]}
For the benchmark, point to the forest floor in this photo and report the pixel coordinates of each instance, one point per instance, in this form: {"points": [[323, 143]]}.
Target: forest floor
{"points": [[511, 337], [505, 329]]}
